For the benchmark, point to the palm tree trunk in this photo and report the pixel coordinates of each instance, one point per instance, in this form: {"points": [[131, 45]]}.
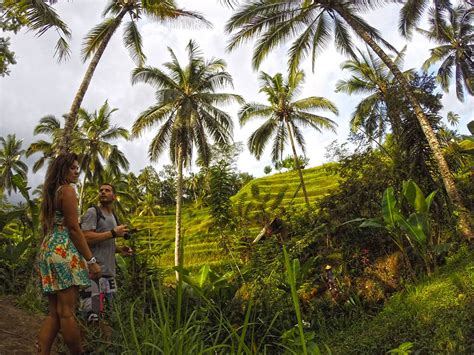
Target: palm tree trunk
{"points": [[297, 163], [178, 259], [449, 184], [76, 103]]}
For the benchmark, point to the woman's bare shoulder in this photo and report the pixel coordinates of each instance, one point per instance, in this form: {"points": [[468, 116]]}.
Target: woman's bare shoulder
{"points": [[66, 191]]}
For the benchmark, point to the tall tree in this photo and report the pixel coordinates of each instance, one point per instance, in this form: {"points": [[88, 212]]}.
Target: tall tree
{"points": [[51, 126], [187, 109], [372, 77], [95, 134], [96, 41], [454, 32], [309, 21], [10, 162], [283, 117]]}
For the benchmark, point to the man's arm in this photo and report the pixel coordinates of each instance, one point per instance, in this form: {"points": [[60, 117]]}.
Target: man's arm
{"points": [[94, 237], [89, 225]]}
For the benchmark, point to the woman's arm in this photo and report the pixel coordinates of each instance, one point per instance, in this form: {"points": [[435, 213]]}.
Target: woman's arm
{"points": [[68, 204]]}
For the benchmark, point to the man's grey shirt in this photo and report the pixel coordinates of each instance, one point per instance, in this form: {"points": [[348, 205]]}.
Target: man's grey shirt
{"points": [[103, 251]]}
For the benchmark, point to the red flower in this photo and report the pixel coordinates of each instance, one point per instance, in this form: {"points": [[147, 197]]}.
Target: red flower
{"points": [[60, 251], [47, 280], [74, 262]]}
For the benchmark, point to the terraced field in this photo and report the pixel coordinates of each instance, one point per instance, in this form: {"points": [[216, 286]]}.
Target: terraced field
{"points": [[200, 245]]}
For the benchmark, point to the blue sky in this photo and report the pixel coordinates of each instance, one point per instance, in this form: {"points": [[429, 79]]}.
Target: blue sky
{"points": [[39, 86]]}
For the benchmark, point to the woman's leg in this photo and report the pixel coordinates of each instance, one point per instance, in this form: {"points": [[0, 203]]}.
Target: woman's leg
{"points": [[50, 327], [67, 302]]}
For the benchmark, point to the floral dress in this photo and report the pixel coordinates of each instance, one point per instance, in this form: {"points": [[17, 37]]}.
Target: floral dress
{"points": [[60, 264]]}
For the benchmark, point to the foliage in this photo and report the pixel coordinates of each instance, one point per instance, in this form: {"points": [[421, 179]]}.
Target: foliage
{"points": [[453, 31], [435, 314], [415, 228], [37, 16], [11, 163], [7, 57], [289, 163]]}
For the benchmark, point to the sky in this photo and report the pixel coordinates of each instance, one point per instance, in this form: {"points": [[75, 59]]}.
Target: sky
{"points": [[38, 86]]}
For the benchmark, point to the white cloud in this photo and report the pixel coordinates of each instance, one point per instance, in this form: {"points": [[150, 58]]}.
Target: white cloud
{"points": [[38, 86]]}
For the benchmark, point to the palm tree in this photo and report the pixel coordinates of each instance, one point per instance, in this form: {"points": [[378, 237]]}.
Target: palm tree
{"points": [[413, 10], [455, 36], [309, 21], [371, 76], [10, 162], [95, 132], [187, 108], [283, 116], [50, 126], [98, 38], [38, 16]]}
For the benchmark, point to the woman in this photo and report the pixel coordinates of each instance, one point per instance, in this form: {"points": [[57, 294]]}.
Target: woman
{"points": [[64, 257]]}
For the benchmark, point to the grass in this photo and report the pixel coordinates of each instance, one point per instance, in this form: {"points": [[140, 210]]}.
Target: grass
{"points": [[436, 315], [200, 244]]}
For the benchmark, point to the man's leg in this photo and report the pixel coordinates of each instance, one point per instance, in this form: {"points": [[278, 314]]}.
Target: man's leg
{"points": [[107, 291]]}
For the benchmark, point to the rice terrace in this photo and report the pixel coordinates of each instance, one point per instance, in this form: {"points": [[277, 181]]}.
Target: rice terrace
{"points": [[237, 177]]}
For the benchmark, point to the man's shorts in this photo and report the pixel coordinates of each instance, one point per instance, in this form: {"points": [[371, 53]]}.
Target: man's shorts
{"points": [[95, 302]]}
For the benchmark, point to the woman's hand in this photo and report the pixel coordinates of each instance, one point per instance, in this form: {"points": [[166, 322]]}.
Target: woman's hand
{"points": [[95, 271]]}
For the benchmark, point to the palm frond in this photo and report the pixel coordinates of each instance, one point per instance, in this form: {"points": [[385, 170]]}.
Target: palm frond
{"points": [[279, 142], [410, 15], [152, 76], [132, 40], [315, 103], [259, 139], [96, 36], [151, 116], [253, 110]]}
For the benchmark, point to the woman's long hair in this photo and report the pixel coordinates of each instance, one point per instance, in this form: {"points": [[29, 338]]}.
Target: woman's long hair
{"points": [[55, 177]]}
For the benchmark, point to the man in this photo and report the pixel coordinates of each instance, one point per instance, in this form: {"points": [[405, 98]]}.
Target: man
{"points": [[101, 227]]}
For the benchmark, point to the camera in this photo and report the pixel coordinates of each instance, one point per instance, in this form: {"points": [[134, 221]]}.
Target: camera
{"points": [[130, 233]]}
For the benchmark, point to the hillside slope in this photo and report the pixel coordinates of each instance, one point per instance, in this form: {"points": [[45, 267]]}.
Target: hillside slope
{"points": [[436, 315], [200, 245]]}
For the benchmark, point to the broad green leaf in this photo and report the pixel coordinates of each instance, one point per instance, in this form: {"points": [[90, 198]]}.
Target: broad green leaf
{"points": [[414, 229], [389, 208], [203, 275], [429, 200], [414, 196]]}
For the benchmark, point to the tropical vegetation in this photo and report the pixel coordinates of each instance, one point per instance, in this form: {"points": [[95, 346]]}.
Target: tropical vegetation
{"points": [[370, 252]]}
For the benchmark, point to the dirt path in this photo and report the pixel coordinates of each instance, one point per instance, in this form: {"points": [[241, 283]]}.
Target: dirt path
{"points": [[18, 328]]}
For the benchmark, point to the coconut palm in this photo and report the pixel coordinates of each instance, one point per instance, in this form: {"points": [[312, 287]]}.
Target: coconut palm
{"points": [[275, 22], [39, 17], [413, 10], [96, 41], [455, 36], [95, 133], [10, 162], [187, 109], [50, 126], [283, 117], [371, 76]]}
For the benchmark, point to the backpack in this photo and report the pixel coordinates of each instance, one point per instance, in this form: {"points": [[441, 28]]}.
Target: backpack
{"points": [[100, 215]]}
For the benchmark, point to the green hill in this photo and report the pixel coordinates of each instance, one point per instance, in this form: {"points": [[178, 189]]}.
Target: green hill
{"points": [[200, 245]]}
